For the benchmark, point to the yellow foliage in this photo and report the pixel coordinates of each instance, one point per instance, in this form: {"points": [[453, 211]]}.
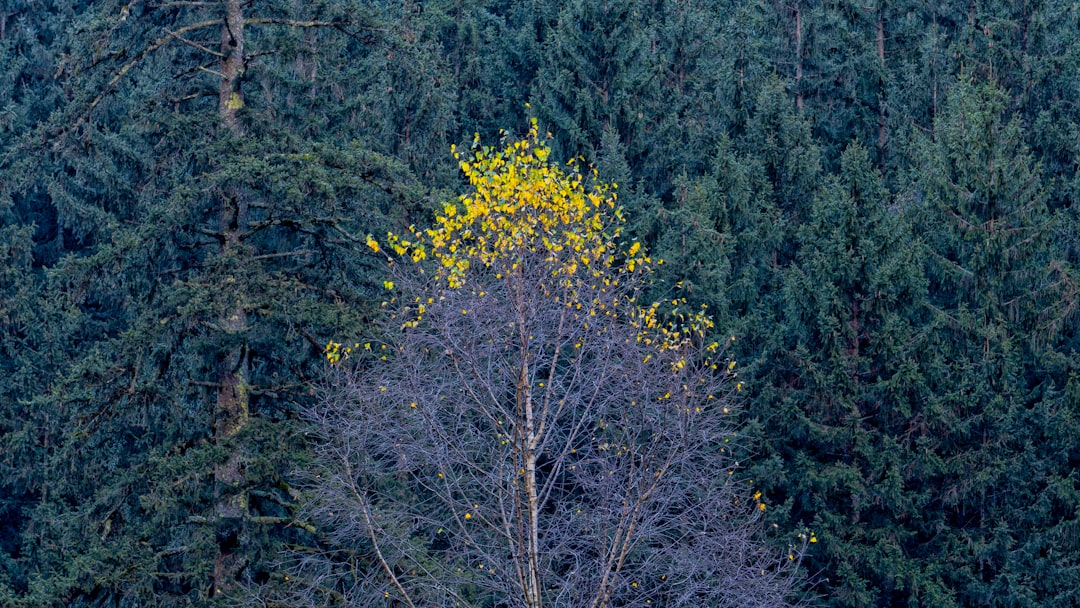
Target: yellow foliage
{"points": [[335, 353], [522, 203], [522, 207]]}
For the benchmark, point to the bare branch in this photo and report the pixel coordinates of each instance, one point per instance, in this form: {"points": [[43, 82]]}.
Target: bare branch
{"points": [[127, 67], [180, 3], [195, 45], [283, 254], [292, 23], [366, 512]]}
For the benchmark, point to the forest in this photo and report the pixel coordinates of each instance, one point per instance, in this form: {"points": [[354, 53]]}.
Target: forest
{"points": [[219, 219]]}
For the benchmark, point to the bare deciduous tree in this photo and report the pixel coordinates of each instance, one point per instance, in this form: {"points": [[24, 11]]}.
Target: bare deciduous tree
{"points": [[532, 435]]}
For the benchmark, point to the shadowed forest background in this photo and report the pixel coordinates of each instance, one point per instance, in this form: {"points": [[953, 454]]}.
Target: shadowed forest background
{"points": [[876, 199]]}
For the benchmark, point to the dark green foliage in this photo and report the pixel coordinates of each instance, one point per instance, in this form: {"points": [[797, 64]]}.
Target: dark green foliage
{"points": [[183, 255], [837, 386], [915, 394], [877, 200], [995, 359], [666, 78]]}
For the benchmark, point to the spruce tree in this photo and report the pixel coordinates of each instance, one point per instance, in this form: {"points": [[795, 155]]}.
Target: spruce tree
{"points": [[834, 395], [998, 361], [198, 195]]}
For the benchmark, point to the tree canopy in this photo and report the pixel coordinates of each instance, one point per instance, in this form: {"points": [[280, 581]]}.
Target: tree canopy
{"points": [[877, 200]]}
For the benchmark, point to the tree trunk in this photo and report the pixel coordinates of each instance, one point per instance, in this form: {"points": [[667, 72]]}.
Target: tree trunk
{"points": [[232, 66], [529, 443], [798, 57], [231, 412], [883, 134]]}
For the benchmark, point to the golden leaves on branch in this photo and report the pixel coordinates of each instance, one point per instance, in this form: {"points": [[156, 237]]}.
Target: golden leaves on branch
{"points": [[522, 208]]}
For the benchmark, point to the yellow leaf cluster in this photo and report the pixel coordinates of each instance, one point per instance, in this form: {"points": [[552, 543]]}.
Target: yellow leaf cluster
{"points": [[334, 352], [673, 328], [522, 204], [523, 210]]}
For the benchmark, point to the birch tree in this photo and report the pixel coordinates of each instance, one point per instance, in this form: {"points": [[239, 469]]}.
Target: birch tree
{"points": [[531, 433]]}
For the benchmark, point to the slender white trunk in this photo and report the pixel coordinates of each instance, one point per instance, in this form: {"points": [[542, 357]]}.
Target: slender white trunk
{"points": [[532, 501]]}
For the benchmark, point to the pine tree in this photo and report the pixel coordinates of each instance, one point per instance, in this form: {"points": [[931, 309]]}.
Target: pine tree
{"points": [[32, 324]]}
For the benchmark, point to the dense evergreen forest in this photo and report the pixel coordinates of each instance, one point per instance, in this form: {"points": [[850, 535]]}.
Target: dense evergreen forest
{"points": [[875, 199]]}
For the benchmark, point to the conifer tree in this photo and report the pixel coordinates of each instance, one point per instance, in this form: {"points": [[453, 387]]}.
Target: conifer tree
{"points": [[839, 389], [31, 322], [172, 260], [204, 182], [999, 377]]}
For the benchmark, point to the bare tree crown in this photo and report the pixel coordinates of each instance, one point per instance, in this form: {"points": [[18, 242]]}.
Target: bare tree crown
{"points": [[531, 434]]}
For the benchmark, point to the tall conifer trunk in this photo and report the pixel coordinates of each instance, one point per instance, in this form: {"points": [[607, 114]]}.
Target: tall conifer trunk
{"points": [[798, 57], [232, 411], [883, 133]]}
